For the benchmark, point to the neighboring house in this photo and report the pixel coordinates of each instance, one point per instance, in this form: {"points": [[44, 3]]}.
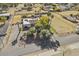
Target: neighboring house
{"points": [[73, 19], [66, 6], [63, 8], [47, 8], [5, 14]]}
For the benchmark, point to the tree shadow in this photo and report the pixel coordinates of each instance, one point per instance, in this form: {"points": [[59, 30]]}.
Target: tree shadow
{"points": [[25, 28], [47, 44], [37, 40], [29, 39], [14, 42], [43, 43]]}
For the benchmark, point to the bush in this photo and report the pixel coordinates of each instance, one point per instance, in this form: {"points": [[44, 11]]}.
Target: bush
{"points": [[31, 32]]}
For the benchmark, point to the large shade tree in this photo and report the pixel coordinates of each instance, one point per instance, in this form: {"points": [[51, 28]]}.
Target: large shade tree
{"points": [[42, 23], [43, 29], [45, 34]]}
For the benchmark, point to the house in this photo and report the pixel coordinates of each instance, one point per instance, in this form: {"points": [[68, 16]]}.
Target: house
{"points": [[5, 14], [73, 19], [63, 8], [28, 22], [47, 7]]}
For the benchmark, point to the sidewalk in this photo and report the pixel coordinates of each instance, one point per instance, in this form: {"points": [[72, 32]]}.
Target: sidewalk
{"points": [[46, 52], [74, 46]]}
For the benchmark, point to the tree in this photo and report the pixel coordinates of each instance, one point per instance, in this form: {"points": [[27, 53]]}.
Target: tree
{"points": [[56, 7], [71, 15], [25, 34], [25, 5], [52, 16], [43, 23], [3, 19], [49, 14], [45, 34], [45, 38], [29, 8], [31, 32], [24, 16], [38, 26], [30, 35]]}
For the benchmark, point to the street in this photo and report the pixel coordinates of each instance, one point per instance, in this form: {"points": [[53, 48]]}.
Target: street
{"points": [[13, 36], [14, 51], [73, 38]]}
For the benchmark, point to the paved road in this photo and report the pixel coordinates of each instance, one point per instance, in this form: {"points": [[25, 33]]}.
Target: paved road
{"points": [[68, 39], [20, 51], [2, 32], [4, 28], [32, 48], [13, 36]]}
